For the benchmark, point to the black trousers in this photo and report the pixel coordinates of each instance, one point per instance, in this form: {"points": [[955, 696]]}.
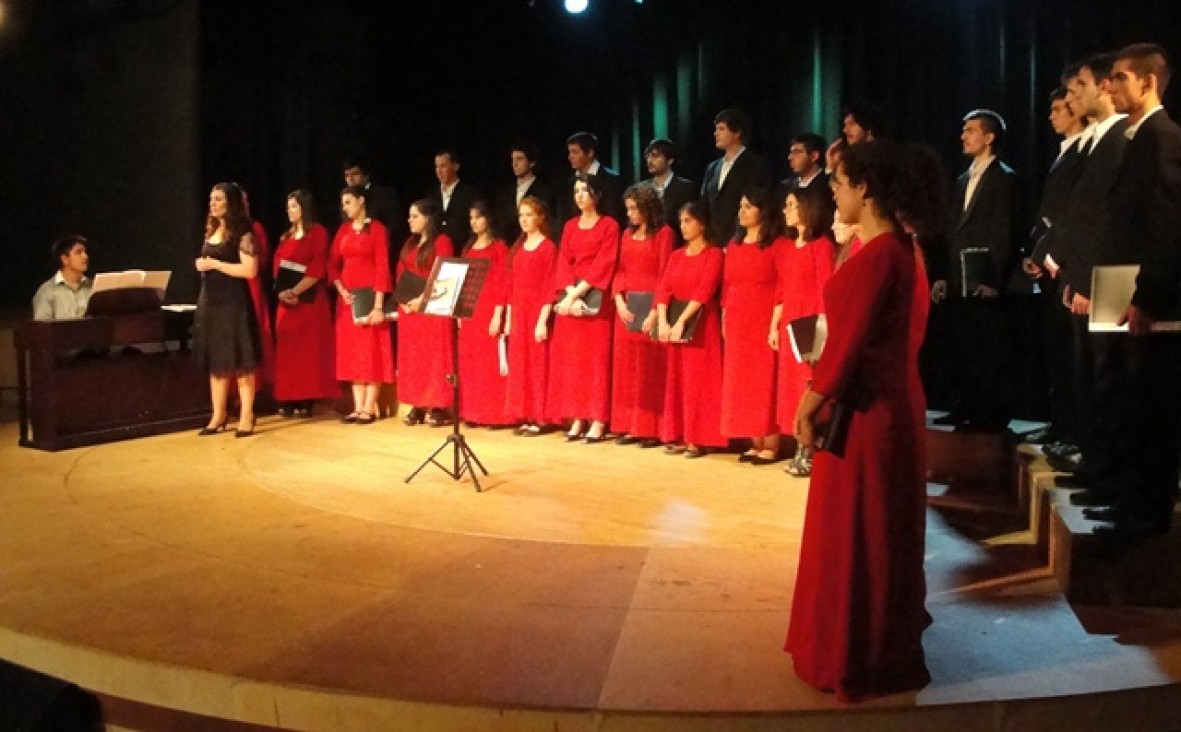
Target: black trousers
{"points": [[984, 350], [1150, 425], [1057, 354]]}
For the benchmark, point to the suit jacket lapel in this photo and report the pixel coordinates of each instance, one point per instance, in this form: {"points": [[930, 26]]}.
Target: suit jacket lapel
{"points": [[980, 186]]}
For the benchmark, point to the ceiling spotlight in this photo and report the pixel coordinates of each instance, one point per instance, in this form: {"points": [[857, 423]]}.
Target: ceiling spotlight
{"points": [[576, 6]]}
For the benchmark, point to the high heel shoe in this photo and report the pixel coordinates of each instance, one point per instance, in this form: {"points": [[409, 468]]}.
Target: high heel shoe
{"points": [[207, 430], [413, 417], [239, 432], [438, 418]]}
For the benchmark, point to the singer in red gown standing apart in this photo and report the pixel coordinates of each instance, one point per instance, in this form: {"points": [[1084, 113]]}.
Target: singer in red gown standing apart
{"points": [[532, 264], [805, 265], [580, 355], [304, 353], [360, 258], [424, 341], [482, 384], [693, 385], [639, 362], [749, 283], [858, 614]]}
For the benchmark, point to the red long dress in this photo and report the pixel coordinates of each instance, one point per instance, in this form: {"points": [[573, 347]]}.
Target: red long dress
{"points": [[858, 616], [361, 259], [304, 348], [265, 373], [693, 386], [424, 343], [482, 387], [580, 354], [803, 272], [748, 370], [531, 278], [640, 363]]}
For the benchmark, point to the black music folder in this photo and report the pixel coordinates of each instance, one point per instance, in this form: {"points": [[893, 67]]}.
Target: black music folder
{"points": [[675, 309], [640, 304], [592, 298], [363, 299], [291, 274], [409, 286], [975, 270]]}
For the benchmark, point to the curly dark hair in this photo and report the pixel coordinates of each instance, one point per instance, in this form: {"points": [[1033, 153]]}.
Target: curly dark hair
{"points": [[650, 205], [905, 181], [761, 199], [237, 221]]}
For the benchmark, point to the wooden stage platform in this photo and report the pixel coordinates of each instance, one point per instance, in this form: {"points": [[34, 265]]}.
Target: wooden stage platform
{"points": [[292, 580]]}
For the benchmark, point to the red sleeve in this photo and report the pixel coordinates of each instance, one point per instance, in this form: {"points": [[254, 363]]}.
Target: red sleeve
{"points": [[262, 247], [602, 268], [554, 259], [443, 247], [711, 275], [564, 270], [381, 256], [730, 262], [823, 256], [335, 258], [498, 282], [867, 280], [619, 285], [664, 290], [666, 241], [317, 241]]}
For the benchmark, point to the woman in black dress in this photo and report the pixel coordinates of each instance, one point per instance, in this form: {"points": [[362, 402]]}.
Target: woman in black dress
{"points": [[226, 336]]}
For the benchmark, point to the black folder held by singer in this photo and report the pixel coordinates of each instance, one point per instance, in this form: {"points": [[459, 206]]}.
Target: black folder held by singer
{"points": [[363, 300], [675, 309], [291, 274], [640, 305], [592, 299]]}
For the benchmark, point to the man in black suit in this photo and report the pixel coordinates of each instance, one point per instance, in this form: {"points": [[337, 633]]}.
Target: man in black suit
{"points": [[1084, 232], [582, 150], [381, 202], [674, 191], [727, 177], [1147, 203], [804, 158], [523, 157], [1055, 338], [453, 197], [981, 251]]}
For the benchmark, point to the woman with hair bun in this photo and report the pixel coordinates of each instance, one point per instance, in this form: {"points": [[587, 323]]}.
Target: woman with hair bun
{"points": [[482, 392], [639, 362], [304, 352], [858, 614]]}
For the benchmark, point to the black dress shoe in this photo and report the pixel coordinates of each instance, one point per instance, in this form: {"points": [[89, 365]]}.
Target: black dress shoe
{"points": [[1130, 530], [627, 440], [1105, 513], [747, 457], [207, 431], [760, 460], [413, 417], [592, 439], [438, 418], [248, 432], [953, 418], [1091, 497], [1074, 480], [1060, 449], [650, 443]]}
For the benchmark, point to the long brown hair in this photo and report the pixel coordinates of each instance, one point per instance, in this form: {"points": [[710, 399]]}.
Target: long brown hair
{"points": [[543, 223], [424, 242], [237, 221], [307, 211], [650, 205]]}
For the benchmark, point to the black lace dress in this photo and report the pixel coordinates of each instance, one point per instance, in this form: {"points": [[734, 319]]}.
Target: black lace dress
{"points": [[225, 333]]}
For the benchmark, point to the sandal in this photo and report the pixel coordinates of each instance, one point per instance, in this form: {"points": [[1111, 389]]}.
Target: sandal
{"points": [[800, 465], [694, 452], [365, 418], [351, 418], [674, 449]]}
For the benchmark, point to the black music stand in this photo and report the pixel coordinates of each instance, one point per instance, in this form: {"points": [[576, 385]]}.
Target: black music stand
{"points": [[451, 292]]}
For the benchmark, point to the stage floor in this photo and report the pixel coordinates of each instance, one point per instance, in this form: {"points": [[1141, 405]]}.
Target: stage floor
{"points": [[293, 580]]}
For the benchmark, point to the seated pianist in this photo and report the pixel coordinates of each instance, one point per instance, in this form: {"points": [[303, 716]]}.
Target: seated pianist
{"points": [[67, 293]]}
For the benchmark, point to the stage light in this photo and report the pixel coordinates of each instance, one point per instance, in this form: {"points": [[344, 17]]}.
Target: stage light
{"points": [[576, 6]]}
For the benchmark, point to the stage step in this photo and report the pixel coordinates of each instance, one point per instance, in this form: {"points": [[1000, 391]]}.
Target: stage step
{"points": [[1087, 569], [973, 472]]}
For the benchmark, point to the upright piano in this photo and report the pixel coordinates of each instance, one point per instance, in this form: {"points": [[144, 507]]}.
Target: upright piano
{"points": [[100, 379]]}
